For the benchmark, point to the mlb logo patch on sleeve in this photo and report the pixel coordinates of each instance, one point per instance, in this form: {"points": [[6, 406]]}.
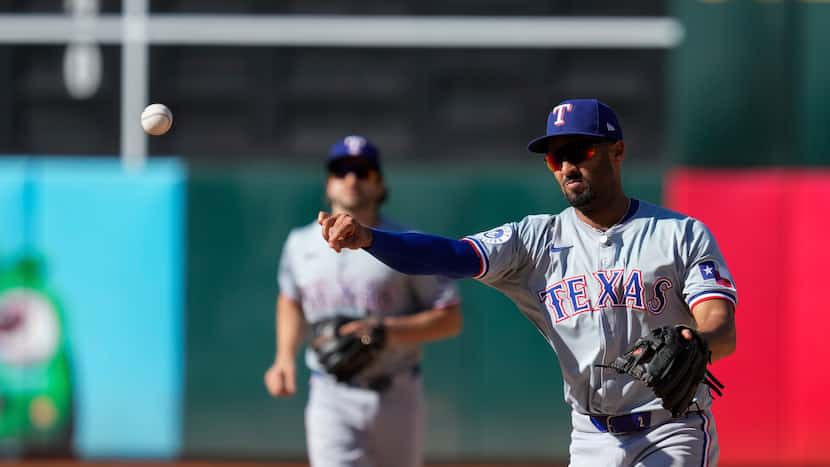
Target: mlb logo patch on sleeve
{"points": [[497, 236]]}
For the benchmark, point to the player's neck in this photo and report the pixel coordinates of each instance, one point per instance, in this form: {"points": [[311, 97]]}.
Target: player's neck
{"points": [[368, 216], [605, 218]]}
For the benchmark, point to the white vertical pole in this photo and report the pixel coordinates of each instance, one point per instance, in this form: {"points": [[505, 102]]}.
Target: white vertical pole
{"points": [[82, 62], [134, 83]]}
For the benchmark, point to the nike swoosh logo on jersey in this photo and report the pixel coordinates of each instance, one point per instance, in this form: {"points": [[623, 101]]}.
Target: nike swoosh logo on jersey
{"points": [[556, 249]]}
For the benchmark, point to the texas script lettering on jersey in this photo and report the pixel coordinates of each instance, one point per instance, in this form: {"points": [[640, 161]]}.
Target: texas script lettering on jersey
{"points": [[616, 290]]}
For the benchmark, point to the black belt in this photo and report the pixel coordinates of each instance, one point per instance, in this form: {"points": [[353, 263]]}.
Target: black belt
{"points": [[637, 421]]}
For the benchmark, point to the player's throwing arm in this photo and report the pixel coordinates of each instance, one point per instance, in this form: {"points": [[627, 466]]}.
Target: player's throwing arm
{"points": [[409, 252]]}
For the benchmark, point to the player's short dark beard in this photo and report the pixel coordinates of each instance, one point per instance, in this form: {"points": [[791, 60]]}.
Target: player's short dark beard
{"points": [[365, 203], [587, 200], [582, 200]]}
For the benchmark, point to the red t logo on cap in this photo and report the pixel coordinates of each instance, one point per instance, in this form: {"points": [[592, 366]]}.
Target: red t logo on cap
{"points": [[559, 110]]}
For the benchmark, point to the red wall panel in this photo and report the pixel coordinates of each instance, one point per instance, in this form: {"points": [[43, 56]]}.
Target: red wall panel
{"points": [[772, 227], [808, 421]]}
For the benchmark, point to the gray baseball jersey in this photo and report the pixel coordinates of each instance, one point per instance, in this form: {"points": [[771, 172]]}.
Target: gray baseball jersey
{"points": [[354, 283], [592, 294]]}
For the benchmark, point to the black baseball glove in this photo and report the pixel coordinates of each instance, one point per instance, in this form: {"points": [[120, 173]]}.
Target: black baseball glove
{"points": [[345, 355], [670, 365]]}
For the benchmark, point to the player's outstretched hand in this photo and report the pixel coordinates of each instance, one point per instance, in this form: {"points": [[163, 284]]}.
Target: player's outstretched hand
{"points": [[343, 231], [280, 379]]}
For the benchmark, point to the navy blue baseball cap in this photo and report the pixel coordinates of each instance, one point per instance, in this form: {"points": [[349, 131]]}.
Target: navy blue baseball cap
{"points": [[357, 147], [587, 117]]}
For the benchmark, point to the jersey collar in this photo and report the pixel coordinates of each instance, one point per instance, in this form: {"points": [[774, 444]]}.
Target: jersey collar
{"points": [[633, 205]]}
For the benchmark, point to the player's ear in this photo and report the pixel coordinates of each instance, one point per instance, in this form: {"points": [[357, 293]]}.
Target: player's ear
{"points": [[326, 197], [617, 151], [384, 195], [621, 148]]}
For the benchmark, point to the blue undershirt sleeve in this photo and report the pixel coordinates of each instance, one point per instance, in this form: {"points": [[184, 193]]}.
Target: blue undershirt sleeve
{"points": [[418, 253]]}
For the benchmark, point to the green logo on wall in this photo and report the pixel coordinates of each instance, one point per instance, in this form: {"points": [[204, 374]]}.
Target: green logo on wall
{"points": [[35, 374]]}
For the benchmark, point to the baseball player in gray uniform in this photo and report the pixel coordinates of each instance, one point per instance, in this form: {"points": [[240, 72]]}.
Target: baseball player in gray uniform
{"points": [[376, 419], [592, 279]]}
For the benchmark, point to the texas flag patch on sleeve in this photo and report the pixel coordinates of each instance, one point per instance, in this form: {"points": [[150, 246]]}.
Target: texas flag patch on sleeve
{"points": [[709, 271]]}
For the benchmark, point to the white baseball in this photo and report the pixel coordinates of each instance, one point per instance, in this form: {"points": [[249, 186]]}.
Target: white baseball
{"points": [[156, 119]]}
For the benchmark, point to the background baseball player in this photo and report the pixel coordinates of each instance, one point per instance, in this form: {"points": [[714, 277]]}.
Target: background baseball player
{"points": [[374, 417], [595, 279]]}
